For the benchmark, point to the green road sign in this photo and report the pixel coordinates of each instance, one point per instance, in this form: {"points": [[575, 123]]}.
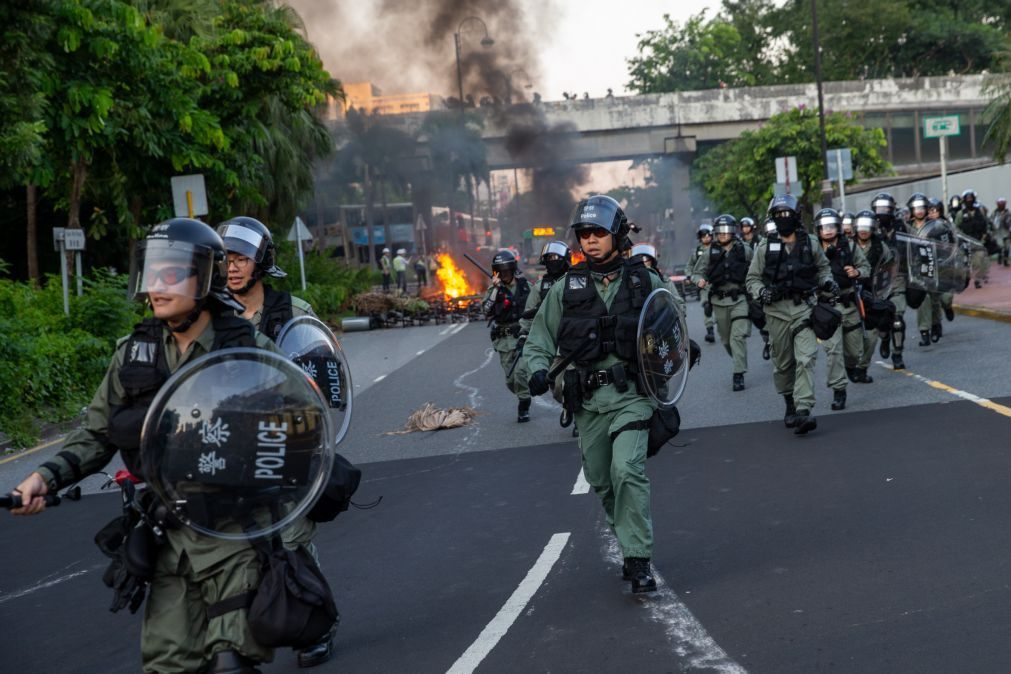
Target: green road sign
{"points": [[935, 127]]}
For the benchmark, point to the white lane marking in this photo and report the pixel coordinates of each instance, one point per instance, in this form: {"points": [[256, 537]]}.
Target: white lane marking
{"points": [[581, 486], [420, 352], [511, 610], [458, 328], [964, 395], [686, 634], [379, 378], [446, 329], [44, 584]]}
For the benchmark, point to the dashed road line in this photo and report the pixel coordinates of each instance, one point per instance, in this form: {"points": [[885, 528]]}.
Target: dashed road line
{"points": [[581, 486], [964, 395], [32, 450], [379, 378], [458, 328], [521, 596], [420, 352]]}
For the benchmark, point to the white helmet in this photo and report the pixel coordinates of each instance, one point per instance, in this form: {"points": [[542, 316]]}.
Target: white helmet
{"points": [[401, 251], [386, 250]]}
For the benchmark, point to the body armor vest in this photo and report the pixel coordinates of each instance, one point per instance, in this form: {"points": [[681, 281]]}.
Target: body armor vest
{"points": [[144, 371], [727, 266], [504, 314], [545, 286], [276, 312], [793, 271], [592, 331], [842, 258]]}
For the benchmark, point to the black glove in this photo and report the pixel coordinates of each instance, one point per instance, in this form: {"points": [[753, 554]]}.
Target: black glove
{"points": [[830, 286], [694, 354], [766, 295], [538, 383]]}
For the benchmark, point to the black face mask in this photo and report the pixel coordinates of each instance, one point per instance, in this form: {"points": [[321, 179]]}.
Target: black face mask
{"points": [[786, 227], [556, 268]]}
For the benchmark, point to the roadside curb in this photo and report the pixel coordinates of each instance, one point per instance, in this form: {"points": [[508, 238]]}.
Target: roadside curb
{"points": [[982, 312]]}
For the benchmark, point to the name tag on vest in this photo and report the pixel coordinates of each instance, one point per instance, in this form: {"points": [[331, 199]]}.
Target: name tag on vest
{"points": [[775, 247]]}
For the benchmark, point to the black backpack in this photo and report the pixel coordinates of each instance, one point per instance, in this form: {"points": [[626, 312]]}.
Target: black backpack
{"points": [[340, 487]]}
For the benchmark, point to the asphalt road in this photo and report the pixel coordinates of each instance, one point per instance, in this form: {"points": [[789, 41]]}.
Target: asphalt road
{"points": [[876, 544]]}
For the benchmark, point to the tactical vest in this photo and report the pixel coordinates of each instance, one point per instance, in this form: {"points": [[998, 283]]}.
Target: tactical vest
{"points": [[592, 331], [545, 286], [843, 258], [727, 266], [974, 224], [505, 313], [794, 271], [874, 251], [276, 312], [145, 369]]}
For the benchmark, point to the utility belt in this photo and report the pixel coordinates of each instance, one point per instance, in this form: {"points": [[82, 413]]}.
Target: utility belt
{"points": [[798, 296], [732, 294], [505, 330], [847, 297], [580, 383]]}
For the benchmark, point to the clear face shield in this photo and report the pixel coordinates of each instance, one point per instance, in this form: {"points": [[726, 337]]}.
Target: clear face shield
{"points": [[864, 226], [172, 268]]}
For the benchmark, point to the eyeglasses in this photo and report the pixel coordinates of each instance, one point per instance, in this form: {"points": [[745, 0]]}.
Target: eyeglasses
{"points": [[169, 275], [239, 261], [595, 232]]}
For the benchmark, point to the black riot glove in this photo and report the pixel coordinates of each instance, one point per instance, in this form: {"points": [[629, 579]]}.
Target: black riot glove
{"points": [[830, 286], [538, 383], [694, 354], [766, 296]]}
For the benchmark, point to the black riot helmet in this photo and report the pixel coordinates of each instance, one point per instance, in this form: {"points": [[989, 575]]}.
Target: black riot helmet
{"points": [[969, 198], [725, 224], [556, 266], [865, 221], [747, 222], [504, 261], [785, 211], [955, 203], [175, 251], [647, 251], [918, 200], [883, 205], [601, 212], [938, 205], [827, 222], [250, 237], [705, 229], [847, 223]]}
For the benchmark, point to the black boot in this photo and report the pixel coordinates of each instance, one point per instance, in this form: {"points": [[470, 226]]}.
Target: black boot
{"points": [[924, 337], [790, 418], [805, 422], [936, 332], [839, 399], [977, 284], [766, 351], [638, 570], [897, 363], [710, 337], [523, 413], [319, 652], [851, 374], [738, 381], [886, 345], [862, 376], [230, 662], [949, 313]]}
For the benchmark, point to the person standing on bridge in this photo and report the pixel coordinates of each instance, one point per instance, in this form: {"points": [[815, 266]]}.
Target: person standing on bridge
{"points": [[590, 316], [180, 271], [252, 257], [722, 271], [705, 238], [785, 273], [503, 306]]}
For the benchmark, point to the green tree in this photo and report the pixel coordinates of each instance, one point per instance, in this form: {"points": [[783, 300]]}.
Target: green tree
{"points": [[738, 175]]}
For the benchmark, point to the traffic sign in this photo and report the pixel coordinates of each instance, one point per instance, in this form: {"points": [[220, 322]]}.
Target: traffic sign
{"points": [[73, 239], [57, 238], [189, 192], [936, 127], [840, 156], [795, 188], [420, 225], [303, 232], [786, 170]]}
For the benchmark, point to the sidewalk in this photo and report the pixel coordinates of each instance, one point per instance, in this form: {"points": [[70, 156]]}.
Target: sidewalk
{"points": [[992, 301]]}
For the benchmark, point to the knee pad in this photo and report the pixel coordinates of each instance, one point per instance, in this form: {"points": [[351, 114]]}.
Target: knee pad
{"points": [[898, 333]]}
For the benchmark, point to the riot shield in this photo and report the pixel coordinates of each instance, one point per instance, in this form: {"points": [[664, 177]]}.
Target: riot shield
{"points": [[663, 349], [237, 444], [933, 265], [883, 278], [307, 341]]}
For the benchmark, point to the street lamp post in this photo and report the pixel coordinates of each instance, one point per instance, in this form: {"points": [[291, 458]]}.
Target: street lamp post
{"points": [[826, 184], [486, 42]]}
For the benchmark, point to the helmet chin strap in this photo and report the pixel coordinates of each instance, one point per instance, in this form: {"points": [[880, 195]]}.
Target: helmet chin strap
{"points": [[257, 275], [191, 317]]}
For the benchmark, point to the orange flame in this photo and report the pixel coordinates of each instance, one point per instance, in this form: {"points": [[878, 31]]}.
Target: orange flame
{"points": [[577, 257], [454, 282]]}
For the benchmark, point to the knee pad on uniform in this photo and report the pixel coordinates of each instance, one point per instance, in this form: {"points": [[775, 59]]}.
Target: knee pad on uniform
{"points": [[898, 333]]}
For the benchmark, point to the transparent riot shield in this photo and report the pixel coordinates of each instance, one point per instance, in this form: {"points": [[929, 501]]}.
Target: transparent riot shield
{"points": [[307, 341], [933, 265], [663, 349], [238, 444], [882, 279]]}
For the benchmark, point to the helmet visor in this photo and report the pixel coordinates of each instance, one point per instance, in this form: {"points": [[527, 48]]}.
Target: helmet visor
{"points": [[171, 268], [243, 240], [883, 207], [864, 223], [595, 213], [725, 228]]}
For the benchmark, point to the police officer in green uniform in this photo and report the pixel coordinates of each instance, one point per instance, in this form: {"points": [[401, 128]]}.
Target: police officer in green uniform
{"points": [[647, 253], [556, 258], [252, 257], [180, 270], [503, 306], [944, 301], [972, 221], [591, 316], [785, 273], [749, 235], [878, 255], [883, 206], [722, 271], [845, 347], [705, 237], [928, 314]]}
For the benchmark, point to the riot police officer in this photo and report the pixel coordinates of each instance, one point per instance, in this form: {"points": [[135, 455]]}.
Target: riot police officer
{"points": [[847, 225], [928, 314], [1002, 230], [646, 252], [884, 208], [179, 269], [591, 316], [556, 258], [972, 221], [749, 235], [722, 271], [784, 274], [845, 347], [503, 306], [704, 234], [879, 256]]}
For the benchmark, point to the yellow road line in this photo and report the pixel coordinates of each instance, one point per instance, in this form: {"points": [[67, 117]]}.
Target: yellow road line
{"points": [[32, 450], [965, 395]]}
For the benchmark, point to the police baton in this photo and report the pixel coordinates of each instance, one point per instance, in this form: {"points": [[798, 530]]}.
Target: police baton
{"points": [[13, 501], [517, 354], [478, 265]]}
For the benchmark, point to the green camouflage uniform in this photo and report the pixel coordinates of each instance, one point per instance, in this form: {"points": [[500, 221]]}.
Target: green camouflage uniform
{"points": [[730, 309], [794, 348], [192, 571], [505, 347]]}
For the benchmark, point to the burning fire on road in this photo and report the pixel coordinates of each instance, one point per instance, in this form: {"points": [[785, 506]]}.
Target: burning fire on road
{"points": [[454, 281]]}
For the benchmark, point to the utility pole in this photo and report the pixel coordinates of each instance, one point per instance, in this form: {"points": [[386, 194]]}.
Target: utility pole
{"points": [[826, 197]]}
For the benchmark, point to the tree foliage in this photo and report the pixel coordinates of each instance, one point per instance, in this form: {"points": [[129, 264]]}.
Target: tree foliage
{"points": [[756, 42], [739, 175]]}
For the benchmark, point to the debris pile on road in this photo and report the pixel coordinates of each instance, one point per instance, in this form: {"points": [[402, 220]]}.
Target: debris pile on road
{"points": [[432, 418]]}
